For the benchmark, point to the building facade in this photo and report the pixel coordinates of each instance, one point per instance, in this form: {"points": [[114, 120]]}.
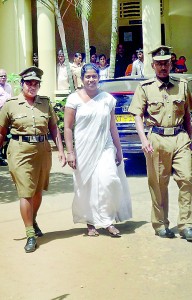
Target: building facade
{"points": [[27, 26]]}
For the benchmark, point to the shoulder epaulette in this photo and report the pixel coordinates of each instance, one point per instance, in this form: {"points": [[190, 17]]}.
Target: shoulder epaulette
{"points": [[44, 97], [148, 81], [12, 98], [178, 79]]}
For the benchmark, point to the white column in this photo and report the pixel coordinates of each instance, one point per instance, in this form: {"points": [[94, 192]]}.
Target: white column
{"points": [[151, 26], [16, 37], [46, 49]]}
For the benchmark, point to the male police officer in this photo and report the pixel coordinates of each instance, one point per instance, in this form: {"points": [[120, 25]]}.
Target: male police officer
{"points": [[165, 102]]}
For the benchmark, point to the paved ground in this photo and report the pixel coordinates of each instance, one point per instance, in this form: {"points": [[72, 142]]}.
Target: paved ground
{"points": [[70, 265]]}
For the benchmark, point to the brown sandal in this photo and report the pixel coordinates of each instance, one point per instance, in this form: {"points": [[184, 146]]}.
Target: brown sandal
{"points": [[113, 231], [92, 231]]}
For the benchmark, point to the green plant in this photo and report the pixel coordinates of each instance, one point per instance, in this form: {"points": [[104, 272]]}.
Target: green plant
{"points": [[59, 109], [14, 80]]}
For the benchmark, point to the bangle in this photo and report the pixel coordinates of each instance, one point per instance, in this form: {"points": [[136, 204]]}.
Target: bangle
{"points": [[70, 152]]}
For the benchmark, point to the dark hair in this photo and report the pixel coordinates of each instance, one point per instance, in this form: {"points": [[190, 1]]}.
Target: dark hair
{"points": [[102, 55], [77, 54], [87, 67], [92, 50], [182, 57], [173, 54], [60, 52]]}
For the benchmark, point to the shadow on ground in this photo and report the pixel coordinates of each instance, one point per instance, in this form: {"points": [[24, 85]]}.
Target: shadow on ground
{"points": [[61, 297], [59, 183], [125, 228]]}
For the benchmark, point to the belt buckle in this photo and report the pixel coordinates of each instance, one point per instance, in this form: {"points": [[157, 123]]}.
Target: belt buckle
{"points": [[32, 139], [169, 131]]}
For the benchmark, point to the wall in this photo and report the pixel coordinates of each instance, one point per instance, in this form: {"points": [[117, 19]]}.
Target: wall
{"points": [[178, 30]]}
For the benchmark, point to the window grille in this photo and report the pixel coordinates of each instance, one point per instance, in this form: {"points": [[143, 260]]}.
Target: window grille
{"points": [[133, 9]]}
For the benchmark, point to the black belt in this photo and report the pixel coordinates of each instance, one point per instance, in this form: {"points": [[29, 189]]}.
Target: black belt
{"points": [[29, 138], [167, 130]]}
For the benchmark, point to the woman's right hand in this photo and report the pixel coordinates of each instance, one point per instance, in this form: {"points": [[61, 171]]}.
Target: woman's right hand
{"points": [[71, 160]]}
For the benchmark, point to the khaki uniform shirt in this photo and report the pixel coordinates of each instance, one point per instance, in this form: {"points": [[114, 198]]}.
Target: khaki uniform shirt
{"points": [[162, 105], [25, 119]]}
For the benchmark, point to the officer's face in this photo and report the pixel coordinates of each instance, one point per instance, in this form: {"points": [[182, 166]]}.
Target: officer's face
{"points": [[30, 88], [162, 67]]}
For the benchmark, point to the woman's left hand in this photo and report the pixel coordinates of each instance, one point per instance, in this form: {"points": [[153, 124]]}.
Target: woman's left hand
{"points": [[62, 158], [119, 157]]}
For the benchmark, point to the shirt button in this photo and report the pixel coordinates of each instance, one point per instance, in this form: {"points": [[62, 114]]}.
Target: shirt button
{"points": [[33, 126], [169, 116], [33, 117]]}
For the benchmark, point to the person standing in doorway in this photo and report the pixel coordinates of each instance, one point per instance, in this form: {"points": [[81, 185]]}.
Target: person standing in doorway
{"points": [[62, 76], [138, 64], [121, 61]]}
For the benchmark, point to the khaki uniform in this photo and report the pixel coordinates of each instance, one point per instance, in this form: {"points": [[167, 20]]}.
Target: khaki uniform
{"points": [[29, 163], [165, 106]]}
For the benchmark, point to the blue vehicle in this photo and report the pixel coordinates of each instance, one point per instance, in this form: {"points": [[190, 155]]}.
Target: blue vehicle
{"points": [[123, 90]]}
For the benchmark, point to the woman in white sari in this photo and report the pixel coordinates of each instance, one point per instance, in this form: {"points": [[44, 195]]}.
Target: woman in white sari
{"points": [[101, 190]]}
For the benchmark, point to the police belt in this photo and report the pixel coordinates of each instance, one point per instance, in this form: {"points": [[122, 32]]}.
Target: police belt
{"points": [[167, 130], [29, 138]]}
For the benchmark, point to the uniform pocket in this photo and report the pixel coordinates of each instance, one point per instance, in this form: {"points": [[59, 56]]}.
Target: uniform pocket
{"points": [[19, 120], [155, 106], [179, 105]]}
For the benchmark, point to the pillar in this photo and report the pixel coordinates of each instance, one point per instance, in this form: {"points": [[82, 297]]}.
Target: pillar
{"points": [[16, 36], [151, 26], [46, 49]]}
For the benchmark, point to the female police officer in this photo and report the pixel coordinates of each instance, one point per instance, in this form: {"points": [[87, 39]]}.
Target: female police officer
{"points": [[30, 118]]}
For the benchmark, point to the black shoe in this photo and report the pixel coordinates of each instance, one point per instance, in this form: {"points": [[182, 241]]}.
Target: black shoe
{"points": [[3, 163], [187, 233], [38, 231], [31, 245], [165, 233]]}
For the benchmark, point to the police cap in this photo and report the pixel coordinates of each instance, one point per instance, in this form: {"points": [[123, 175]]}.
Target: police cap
{"points": [[161, 53], [31, 73]]}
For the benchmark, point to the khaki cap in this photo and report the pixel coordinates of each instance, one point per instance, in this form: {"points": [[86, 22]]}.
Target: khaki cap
{"points": [[31, 73], [161, 53]]}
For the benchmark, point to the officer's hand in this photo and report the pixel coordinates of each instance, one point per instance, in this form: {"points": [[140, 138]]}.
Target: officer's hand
{"points": [[147, 147]]}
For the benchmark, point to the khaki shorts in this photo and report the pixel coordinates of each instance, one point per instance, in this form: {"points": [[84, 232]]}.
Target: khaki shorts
{"points": [[29, 165]]}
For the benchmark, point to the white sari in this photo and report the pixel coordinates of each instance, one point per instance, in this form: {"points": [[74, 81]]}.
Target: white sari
{"points": [[101, 189]]}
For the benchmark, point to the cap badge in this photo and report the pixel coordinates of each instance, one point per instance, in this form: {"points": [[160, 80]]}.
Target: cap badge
{"points": [[162, 52], [33, 74]]}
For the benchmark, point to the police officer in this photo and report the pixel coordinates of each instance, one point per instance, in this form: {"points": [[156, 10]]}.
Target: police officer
{"points": [[165, 102], [30, 118]]}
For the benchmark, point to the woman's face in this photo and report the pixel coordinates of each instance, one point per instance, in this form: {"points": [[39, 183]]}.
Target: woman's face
{"points": [[102, 61], [30, 88], [78, 59], [93, 58], [90, 80]]}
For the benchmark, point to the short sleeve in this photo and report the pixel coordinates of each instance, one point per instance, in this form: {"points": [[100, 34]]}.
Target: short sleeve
{"points": [[4, 116], [52, 115], [138, 103], [72, 101]]}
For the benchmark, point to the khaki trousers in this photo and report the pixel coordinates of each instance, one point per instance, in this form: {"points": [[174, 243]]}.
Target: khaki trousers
{"points": [[171, 154]]}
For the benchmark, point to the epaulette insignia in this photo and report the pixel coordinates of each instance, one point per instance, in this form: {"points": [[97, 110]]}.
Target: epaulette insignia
{"points": [[12, 98]]}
